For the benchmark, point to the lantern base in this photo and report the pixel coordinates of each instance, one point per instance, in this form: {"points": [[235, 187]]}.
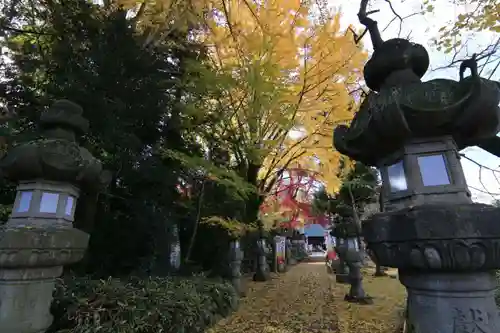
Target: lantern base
{"points": [[30, 261], [26, 298], [379, 271], [365, 300], [342, 278], [263, 272], [451, 302]]}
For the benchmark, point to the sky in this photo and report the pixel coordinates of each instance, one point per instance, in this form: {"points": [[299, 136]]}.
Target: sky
{"points": [[422, 29]]}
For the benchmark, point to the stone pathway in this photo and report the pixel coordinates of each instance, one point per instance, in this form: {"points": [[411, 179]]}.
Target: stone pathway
{"points": [[299, 301]]}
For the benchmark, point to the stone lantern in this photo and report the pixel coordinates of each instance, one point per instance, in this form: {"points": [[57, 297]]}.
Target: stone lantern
{"points": [[353, 257], [39, 238], [342, 270], [263, 271], [290, 259], [444, 246], [235, 259]]}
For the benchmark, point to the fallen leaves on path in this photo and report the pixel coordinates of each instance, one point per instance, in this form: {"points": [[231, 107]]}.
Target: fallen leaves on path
{"points": [[298, 301], [384, 316], [308, 300]]}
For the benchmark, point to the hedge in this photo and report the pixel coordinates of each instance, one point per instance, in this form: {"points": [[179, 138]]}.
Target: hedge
{"points": [[150, 305]]}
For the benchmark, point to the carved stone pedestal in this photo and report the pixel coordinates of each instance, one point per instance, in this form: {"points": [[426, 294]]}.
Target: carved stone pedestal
{"points": [[290, 260], [235, 258], [451, 302], [446, 255], [298, 249], [30, 261], [263, 271], [379, 271], [355, 278], [342, 270]]}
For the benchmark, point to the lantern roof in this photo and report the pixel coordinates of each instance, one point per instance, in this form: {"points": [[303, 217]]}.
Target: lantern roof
{"points": [[56, 156], [401, 107]]}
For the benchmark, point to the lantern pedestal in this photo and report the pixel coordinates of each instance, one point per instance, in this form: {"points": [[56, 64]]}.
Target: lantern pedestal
{"points": [[342, 271], [379, 271], [440, 302], [30, 261], [235, 259], [447, 255], [354, 260], [262, 272], [290, 260]]}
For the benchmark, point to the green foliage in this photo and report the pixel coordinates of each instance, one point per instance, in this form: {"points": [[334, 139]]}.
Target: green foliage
{"points": [[233, 229], [321, 202], [212, 243], [154, 305], [141, 105], [221, 175], [359, 187]]}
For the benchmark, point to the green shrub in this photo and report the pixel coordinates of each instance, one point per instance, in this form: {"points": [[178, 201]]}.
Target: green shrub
{"points": [[151, 305]]}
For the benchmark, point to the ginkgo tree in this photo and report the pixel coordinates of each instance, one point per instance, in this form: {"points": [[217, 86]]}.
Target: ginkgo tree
{"points": [[278, 82], [288, 78]]}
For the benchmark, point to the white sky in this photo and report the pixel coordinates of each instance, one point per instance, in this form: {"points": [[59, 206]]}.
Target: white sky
{"points": [[422, 28]]}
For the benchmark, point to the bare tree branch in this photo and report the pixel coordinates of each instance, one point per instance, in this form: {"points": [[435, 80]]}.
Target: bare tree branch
{"points": [[489, 55], [495, 173]]}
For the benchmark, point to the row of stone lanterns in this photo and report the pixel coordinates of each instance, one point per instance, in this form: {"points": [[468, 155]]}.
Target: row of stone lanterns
{"points": [[39, 238], [444, 246]]}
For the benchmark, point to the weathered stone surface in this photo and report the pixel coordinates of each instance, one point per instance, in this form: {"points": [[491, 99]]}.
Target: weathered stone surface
{"points": [[235, 258], [41, 247], [445, 253], [392, 56], [30, 261], [56, 156], [342, 271], [455, 303], [35, 244], [436, 237], [401, 107], [263, 272], [26, 295]]}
